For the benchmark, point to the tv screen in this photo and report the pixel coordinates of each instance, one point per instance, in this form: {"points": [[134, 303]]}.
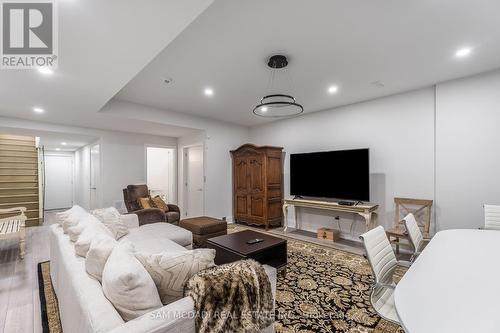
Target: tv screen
{"points": [[342, 174]]}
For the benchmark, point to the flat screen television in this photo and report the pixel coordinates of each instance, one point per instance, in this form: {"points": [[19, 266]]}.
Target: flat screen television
{"points": [[341, 174]]}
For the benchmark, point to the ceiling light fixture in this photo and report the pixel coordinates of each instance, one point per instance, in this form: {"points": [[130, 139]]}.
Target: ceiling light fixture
{"points": [[333, 89], [45, 70], [58, 149], [208, 92], [64, 143], [463, 52], [38, 110], [277, 105]]}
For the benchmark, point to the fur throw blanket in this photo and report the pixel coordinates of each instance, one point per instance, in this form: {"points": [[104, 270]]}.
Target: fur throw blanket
{"points": [[234, 297]]}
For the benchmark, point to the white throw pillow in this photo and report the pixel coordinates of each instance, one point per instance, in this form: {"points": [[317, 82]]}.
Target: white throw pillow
{"points": [[171, 270], [97, 255], [127, 284], [73, 219], [61, 216], [111, 218], [92, 229], [75, 231]]}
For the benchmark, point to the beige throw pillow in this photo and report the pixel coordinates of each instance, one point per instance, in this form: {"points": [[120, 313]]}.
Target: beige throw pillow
{"points": [[98, 254], [171, 270], [159, 203], [127, 285], [93, 229], [111, 218]]}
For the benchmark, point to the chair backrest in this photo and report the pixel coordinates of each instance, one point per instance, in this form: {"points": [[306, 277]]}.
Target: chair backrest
{"points": [[132, 193], [414, 233], [380, 254], [492, 217], [420, 208]]}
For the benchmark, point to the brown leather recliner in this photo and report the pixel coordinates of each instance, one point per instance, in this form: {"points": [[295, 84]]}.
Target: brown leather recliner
{"points": [[149, 215]]}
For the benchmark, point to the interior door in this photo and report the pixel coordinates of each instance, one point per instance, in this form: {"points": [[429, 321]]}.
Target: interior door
{"points": [[95, 176], [58, 181], [194, 181]]}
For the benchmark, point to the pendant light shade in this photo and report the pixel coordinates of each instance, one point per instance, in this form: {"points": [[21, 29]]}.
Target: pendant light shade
{"points": [[277, 105]]}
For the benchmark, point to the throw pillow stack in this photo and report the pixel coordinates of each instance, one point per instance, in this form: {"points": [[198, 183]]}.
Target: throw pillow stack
{"points": [[155, 202]]}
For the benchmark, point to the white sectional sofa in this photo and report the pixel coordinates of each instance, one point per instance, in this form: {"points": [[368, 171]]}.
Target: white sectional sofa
{"points": [[83, 308]]}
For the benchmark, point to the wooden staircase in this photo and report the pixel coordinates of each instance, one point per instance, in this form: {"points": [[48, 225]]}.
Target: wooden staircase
{"points": [[19, 184]]}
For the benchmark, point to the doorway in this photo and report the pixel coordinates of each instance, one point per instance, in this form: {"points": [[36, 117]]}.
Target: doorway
{"points": [[194, 181], [161, 172], [58, 181], [95, 176]]}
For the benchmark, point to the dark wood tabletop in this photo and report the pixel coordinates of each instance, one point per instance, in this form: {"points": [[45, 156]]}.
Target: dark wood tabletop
{"points": [[238, 242]]}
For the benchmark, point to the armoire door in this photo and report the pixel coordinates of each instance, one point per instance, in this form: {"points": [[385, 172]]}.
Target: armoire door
{"points": [[241, 186], [256, 186]]}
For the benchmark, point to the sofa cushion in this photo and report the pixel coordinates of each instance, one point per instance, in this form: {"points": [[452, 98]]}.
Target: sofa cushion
{"points": [[111, 218], [98, 254], [203, 225], [171, 271], [154, 239], [158, 233], [127, 284]]}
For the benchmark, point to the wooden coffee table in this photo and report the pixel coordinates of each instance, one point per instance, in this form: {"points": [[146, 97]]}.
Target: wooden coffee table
{"points": [[233, 247]]}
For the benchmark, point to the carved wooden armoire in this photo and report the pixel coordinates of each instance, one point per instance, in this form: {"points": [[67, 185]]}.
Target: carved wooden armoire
{"points": [[258, 185]]}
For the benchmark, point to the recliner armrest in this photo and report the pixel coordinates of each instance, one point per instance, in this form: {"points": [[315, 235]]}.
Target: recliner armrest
{"points": [[173, 208], [150, 215]]}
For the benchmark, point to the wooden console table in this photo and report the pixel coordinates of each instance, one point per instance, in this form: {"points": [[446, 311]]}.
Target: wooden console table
{"points": [[368, 212]]}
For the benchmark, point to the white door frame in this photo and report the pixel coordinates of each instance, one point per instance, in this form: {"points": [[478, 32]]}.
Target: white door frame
{"points": [[70, 155], [185, 175], [176, 175]]}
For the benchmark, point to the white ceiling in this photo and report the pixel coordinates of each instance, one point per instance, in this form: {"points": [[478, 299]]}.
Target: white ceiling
{"points": [[53, 141], [102, 45], [404, 44]]}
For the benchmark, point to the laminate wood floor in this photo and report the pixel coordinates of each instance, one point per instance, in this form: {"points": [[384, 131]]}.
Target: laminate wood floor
{"points": [[19, 300]]}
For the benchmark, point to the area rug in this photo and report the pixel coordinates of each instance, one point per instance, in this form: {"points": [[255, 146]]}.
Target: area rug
{"points": [[325, 290], [49, 308]]}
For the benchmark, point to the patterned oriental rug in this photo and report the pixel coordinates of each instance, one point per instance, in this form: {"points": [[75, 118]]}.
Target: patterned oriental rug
{"points": [[324, 290]]}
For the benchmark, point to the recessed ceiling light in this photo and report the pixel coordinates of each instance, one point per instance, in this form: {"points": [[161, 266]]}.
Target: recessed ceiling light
{"points": [[45, 70], [333, 89], [38, 110], [58, 149], [463, 52], [263, 109], [64, 143], [208, 92]]}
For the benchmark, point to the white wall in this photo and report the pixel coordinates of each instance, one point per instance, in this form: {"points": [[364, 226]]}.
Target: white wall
{"points": [[122, 163], [398, 130], [468, 154], [218, 138], [82, 177]]}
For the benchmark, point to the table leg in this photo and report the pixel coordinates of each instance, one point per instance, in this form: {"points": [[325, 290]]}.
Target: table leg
{"points": [[22, 244], [285, 217]]}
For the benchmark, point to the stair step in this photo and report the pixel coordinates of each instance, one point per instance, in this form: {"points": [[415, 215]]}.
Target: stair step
{"points": [[11, 142], [17, 137], [18, 167], [28, 205]]}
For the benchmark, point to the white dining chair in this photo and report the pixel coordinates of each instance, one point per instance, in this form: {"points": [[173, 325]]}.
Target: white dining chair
{"points": [[415, 235], [492, 217], [383, 262]]}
